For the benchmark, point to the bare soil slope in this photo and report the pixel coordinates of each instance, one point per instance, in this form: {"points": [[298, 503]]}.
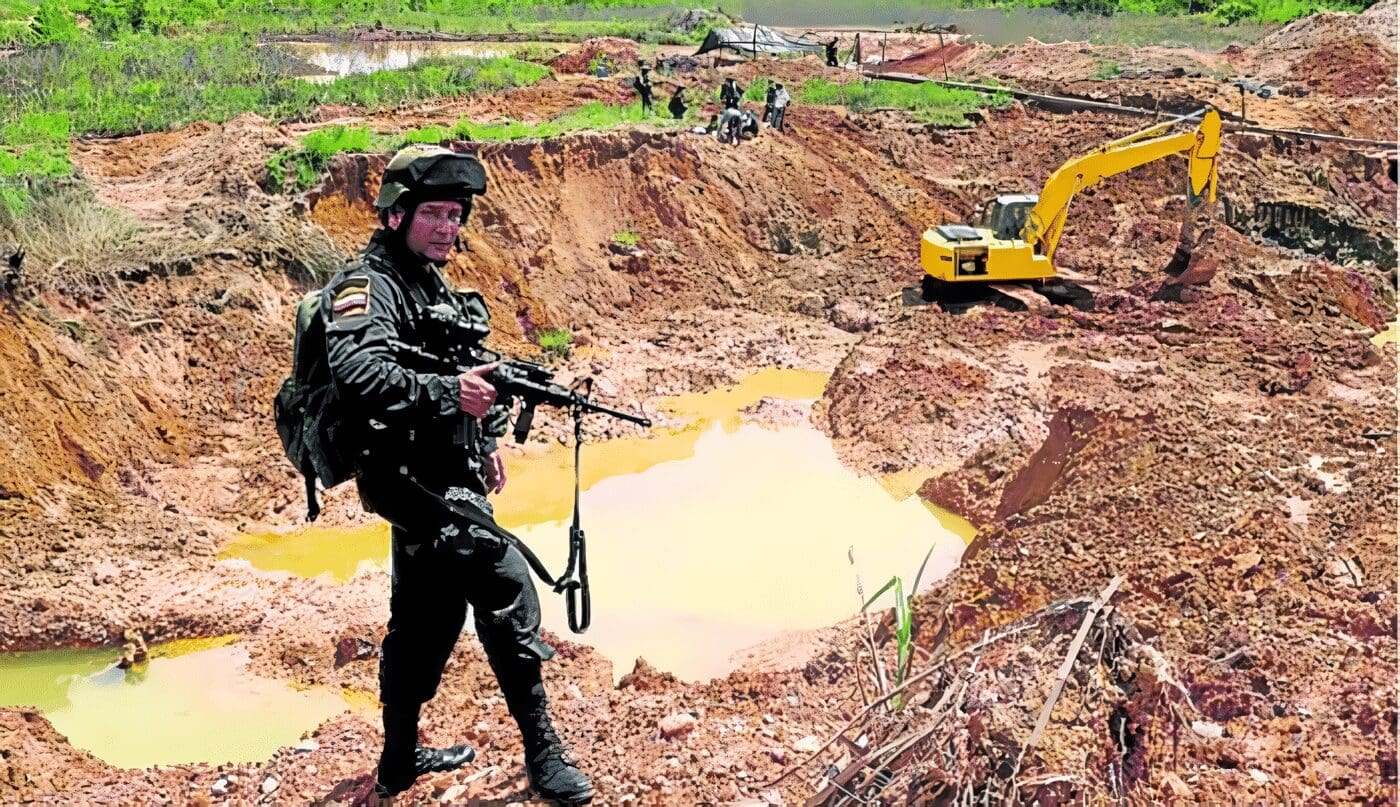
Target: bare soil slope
{"points": [[1231, 455]]}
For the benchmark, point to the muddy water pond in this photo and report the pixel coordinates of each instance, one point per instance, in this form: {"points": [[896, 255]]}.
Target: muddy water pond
{"points": [[1387, 336], [161, 712], [346, 58], [702, 540]]}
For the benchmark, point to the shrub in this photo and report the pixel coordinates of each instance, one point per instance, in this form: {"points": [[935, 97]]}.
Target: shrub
{"points": [[1104, 71], [299, 169], [555, 342], [54, 24]]}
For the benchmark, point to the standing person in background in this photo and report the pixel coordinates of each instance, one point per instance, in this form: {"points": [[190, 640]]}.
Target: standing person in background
{"points": [[642, 84], [731, 94], [831, 53], [768, 102], [677, 105], [781, 100]]}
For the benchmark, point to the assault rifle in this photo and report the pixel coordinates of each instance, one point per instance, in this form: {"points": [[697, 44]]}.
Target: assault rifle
{"points": [[534, 385]]}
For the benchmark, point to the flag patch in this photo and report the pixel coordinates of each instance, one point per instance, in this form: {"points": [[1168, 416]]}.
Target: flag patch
{"points": [[351, 298], [349, 301]]}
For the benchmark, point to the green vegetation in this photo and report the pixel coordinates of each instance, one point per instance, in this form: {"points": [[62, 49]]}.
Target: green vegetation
{"points": [[903, 625], [757, 91], [1226, 11], [594, 116], [929, 103], [33, 150], [626, 238], [31, 22], [1104, 70], [555, 341], [301, 168], [144, 82], [298, 169]]}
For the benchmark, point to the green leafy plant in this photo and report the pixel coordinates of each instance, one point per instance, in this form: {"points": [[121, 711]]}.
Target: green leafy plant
{"points": [[593, 116], [626, 238], [555, 341], [33, 151], [757, 91], [1103, 71], [299, 169], [903, 625]]}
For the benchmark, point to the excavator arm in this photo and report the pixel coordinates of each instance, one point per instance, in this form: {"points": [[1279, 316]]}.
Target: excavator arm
{"points": [[1046, 221], [1017, 238]]}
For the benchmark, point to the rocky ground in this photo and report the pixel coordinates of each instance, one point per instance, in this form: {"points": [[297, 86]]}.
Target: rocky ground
{"points": [[1221, 462]]}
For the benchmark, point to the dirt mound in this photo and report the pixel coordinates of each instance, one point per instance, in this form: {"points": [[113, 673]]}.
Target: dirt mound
{"points": [[1342, 55], [1359, 68], [928, 61], [1326, 28], [621, 55]]}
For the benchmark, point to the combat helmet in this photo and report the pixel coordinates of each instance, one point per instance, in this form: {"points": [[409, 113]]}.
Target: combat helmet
{"points": [[424, 173]]}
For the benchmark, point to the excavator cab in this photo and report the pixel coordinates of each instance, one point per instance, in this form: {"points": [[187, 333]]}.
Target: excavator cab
{"points": [[1005, 216], [992, 250]]}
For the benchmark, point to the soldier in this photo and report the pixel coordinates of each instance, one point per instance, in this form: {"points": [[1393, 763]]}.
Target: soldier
{"points": [[781, 100], [425, 457], [831, 52], [642, 84], [731, 93], [768, 103], [677, 105]]}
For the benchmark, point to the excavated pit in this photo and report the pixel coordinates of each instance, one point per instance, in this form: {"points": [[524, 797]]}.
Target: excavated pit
{"points": [[1230, 454]]}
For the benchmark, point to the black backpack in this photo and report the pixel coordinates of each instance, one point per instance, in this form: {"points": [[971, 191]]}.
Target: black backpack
{"points": [[307, 409]]}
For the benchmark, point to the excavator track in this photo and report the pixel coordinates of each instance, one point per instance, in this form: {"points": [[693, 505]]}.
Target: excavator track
{"points": [[1033, 296]]}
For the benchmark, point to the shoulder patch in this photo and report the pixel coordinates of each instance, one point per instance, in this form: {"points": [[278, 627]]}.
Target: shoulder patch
{"points": [[350, 298]]}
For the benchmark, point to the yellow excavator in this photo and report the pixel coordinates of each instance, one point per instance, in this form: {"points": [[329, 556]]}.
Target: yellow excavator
{"points": [[1015, 239]]}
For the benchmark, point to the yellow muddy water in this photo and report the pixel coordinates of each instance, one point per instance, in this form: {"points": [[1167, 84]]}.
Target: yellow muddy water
{"points": [[693, 561], [1387, 336], [193, 701], [702, 540], [347, 58]]}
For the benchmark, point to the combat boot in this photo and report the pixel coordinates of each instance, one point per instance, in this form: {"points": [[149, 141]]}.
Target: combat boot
{"points": [[425, 761], [553, 775], [440, 760]]}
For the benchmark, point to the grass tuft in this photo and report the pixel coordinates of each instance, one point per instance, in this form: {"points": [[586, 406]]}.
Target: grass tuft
{"points": [[929, 103]]}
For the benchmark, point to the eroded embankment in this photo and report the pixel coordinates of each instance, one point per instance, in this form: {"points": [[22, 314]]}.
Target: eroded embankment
{"points": [[1232, 457], [1169, 442]]}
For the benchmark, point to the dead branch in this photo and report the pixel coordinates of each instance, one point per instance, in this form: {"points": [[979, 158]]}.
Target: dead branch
{"points": [[1090, 615]]}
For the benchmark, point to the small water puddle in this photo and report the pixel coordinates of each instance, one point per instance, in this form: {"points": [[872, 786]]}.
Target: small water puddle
{"points": [[194, 701], [703, 540], [1387, 336], [340, 59]]}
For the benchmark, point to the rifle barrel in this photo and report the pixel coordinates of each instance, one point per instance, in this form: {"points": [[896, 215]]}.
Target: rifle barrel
{"points": [[589, 406]]}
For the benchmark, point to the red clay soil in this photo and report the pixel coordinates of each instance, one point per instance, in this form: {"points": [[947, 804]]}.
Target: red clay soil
{"points": [[1230, 455]]}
